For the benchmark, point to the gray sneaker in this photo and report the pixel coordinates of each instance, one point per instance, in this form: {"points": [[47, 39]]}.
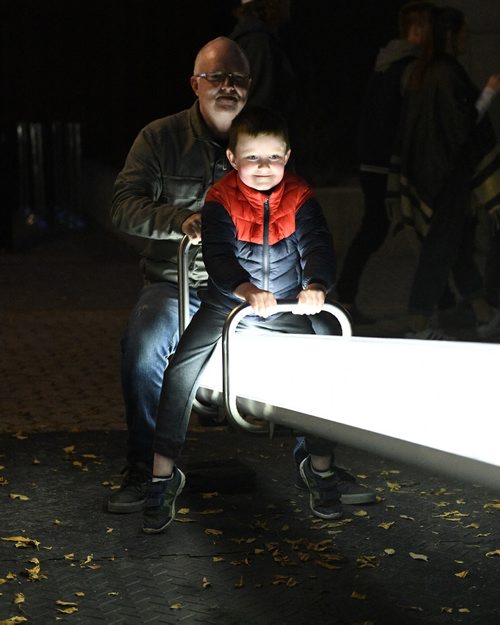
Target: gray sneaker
{"points": [[324, 499], [131, 496], [159, 510], [350, 491]]}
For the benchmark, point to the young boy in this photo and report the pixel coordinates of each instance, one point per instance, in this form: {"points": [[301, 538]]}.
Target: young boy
{"points": [[264, 238]]}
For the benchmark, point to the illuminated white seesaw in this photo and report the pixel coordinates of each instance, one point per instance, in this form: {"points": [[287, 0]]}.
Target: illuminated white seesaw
{"points": [[433, 404]]}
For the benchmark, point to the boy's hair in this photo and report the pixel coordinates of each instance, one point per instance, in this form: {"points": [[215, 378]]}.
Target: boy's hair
{"points": [[257, 120], [414, 13]]}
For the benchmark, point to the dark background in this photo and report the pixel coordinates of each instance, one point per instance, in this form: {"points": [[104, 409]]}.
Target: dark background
{"points": [[114, 66]]}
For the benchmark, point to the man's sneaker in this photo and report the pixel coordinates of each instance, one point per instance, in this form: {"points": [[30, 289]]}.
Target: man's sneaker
{"points": [[159, 510], [324, 499], [351, 493], [489, 328], [131, 496], [429, 334]]}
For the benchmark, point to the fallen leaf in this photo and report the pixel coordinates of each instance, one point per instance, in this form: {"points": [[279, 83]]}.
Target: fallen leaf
{"points": [[209, 495], [492, 554], [20, 435], [176, 606], [406, 517], [71, 610], [69, 450], [80, 594], [386, 525], [66, 603], [389, 551], [240, 583], [13, 620], [284, 580], [89, 456], [18, 496], [446, 610], [367, 562], [183, 511], [35, 461], [218, 559], [213, 532], [393, 486], [419, 556], [464, 610], [19, 598], [205, 583], [23, 541], [495, 505], [69, 556], [461, 574], [358, 595], [360, 513], [3, 481]]}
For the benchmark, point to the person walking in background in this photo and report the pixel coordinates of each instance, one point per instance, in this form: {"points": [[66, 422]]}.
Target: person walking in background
{"points": [[377, 130], [158, 196], [447, 158], [257, 32], [264, 238]]}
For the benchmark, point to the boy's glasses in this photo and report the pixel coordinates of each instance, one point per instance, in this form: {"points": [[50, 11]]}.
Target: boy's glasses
{"points": [[239, 80]]}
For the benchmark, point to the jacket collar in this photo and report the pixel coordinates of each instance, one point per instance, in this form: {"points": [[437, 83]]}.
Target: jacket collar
{"points": [[258, 198]]}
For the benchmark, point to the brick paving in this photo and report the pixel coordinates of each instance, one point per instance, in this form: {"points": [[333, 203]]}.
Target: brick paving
{"points": [[427, 553]]}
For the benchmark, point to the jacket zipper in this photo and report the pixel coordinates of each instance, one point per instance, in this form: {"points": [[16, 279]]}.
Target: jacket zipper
{"points": [[265, 248]]}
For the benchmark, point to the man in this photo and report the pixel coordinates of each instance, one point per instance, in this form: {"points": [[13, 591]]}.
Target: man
{"points": [[158, 195], [377, 130]]}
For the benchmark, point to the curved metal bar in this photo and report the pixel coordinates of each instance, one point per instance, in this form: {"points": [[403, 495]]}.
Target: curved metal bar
{"points": [[232, 321], [185, 316], [182, 269]]}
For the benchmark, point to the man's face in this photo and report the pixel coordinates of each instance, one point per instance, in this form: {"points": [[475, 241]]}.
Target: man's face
{"points": [[221, 84], [260, 161]]}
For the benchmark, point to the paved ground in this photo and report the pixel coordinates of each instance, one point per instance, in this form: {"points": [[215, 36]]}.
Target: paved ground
{"points": [[428, 552]]}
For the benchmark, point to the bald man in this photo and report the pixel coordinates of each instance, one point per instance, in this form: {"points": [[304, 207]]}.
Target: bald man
{"points": [[158, 196]]}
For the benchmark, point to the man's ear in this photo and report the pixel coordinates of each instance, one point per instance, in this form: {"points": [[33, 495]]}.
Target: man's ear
{"points": [[194, 84], [287, 156], [231, 158]]}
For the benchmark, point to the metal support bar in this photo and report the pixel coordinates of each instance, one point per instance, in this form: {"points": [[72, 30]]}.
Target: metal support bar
{"points": [[185, 317], [232, 321], [182, 268]]}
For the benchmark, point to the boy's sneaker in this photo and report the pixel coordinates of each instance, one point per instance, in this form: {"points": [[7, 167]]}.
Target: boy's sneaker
{"points": [[159, 510], [324, 499], [131, 496], [351, 493]]}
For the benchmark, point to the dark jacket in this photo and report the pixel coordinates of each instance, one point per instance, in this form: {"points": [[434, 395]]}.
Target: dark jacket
{"points": [[290, 247], [440, 138], [381, 106], [172, 163], [273, 77]]}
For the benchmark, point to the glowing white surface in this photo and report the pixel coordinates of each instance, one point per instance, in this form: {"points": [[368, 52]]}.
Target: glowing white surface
{"points": [[443, 395]]}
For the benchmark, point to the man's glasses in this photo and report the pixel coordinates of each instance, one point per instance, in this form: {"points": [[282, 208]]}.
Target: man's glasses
{"points": [[239, 80]]}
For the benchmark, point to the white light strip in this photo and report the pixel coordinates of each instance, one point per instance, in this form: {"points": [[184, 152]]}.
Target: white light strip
{"points": [[438, 394]]}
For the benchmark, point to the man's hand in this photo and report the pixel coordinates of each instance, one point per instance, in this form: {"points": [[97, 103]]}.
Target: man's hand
{"points": [[192, 227], [310, 300], [263, 303]]}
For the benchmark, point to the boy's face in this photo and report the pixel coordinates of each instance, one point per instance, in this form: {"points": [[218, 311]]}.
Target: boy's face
{"points": [[260, 161]]}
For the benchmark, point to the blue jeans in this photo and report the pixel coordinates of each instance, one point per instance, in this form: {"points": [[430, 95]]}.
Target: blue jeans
{"points": [[150, 338]]}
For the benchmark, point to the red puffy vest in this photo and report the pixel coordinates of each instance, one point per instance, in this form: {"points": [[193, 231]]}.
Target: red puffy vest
{"points": [[246, 206]]}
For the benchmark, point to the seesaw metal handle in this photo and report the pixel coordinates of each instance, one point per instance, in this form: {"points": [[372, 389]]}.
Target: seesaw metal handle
{"points": [[234, 317]]}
